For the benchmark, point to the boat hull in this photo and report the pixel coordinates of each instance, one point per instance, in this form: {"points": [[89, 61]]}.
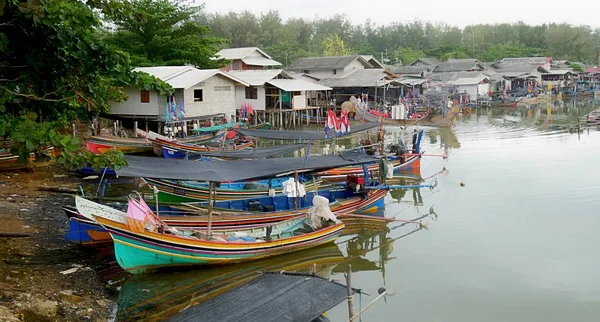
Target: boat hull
{"points": [[102, 147], [139, 252], [412, 162], [84, 231]]}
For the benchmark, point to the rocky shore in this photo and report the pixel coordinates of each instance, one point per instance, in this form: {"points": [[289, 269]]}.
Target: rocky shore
{"points": [[43, 277]]}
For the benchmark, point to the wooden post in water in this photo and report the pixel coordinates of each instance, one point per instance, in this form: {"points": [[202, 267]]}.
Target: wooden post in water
{"points": [[210, 208], [348, 276]]}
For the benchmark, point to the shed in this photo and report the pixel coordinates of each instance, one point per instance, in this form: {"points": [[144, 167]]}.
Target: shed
{"points": [[324, 67]]}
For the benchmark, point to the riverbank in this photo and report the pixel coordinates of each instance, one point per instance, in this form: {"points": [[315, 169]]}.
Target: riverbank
{"points": [[45, 277]]}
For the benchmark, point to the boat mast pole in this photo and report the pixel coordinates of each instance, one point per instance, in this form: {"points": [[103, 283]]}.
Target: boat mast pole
{"points": [[210, 208], [297, 192]]}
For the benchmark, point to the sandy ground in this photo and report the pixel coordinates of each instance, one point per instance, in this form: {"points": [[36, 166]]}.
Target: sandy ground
{"points": [[32, 287]]}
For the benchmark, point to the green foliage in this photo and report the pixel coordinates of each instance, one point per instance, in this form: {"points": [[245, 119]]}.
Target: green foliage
{"points": [[409, 55], [55, 68], [484, 41], [497, 52], [41, 138], [335, 46], [163, 32]]}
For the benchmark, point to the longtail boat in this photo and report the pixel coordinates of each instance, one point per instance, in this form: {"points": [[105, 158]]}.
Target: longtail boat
{"points": [[86, 231], [139, 249], [171, 191], [184, 149], [101, 144], [405, 162]]}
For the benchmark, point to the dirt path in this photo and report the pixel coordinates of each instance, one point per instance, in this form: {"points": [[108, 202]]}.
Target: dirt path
{"points": [[33, 287]]}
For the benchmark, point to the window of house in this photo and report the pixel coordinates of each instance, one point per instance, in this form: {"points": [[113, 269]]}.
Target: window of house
{"points": [[334, 71], [236, 65], [198, 97], [251, 93], [144, 96]]}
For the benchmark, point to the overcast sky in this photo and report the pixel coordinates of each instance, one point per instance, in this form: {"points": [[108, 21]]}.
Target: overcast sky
{"points": [[454, 12]]}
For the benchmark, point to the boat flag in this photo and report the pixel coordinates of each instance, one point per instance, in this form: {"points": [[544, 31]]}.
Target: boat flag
{"points": [[181, 110], [167, 109], [345, 124], [173, 108]]}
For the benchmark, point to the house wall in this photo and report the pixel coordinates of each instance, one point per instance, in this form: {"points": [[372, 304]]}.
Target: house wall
{"points": [[242, 66], [133, 105], [483, 89], [470, 89], [320, 73], [213, 101], [257, 104], [355, 64]]}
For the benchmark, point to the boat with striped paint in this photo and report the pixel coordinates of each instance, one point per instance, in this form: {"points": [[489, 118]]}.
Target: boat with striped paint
{"points": [[141, 251]]}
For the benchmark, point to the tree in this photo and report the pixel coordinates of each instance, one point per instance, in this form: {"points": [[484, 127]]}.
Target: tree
{"points": [[163, 32], [409, 55], [54, 68], [335, 46]]}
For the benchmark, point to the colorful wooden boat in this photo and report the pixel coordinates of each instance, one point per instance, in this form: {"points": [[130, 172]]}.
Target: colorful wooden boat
{"points": [[86, 231], [140, 251], [171, 191], [101, 144], [405, 163], [198, 149], [10, 162]]}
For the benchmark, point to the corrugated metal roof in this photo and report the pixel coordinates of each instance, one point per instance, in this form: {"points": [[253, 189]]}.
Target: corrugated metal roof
{"points": [[336, 62], [185, 76], [427, 61], [411, 81], [451, 76], [526, 60], [521, 68], [468, 81], [260, 61], [256, 77], [359, 78], [457, 65], [293, 85], [239, 53], [560, 71]]}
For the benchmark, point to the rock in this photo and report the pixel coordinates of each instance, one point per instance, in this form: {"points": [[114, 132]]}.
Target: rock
{"points": [[14, 195], [40, 310], [7, 315], [24, 210], [69, 271], [70, 297], [103, 303], [10, 199]]}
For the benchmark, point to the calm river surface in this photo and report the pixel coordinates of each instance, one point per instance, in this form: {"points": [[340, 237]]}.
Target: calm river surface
{"points": [[517, 243]]}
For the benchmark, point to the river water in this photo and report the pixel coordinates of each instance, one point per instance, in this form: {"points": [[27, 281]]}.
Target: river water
{"points": [[517, 241]]}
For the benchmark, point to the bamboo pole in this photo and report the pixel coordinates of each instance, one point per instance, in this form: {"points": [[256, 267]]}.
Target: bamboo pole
{"points": [[348, 276]]}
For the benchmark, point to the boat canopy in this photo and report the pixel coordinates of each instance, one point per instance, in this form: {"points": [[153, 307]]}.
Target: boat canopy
{"points": [[270, 297], [301, 135], [235, 170], [257, 153]]}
